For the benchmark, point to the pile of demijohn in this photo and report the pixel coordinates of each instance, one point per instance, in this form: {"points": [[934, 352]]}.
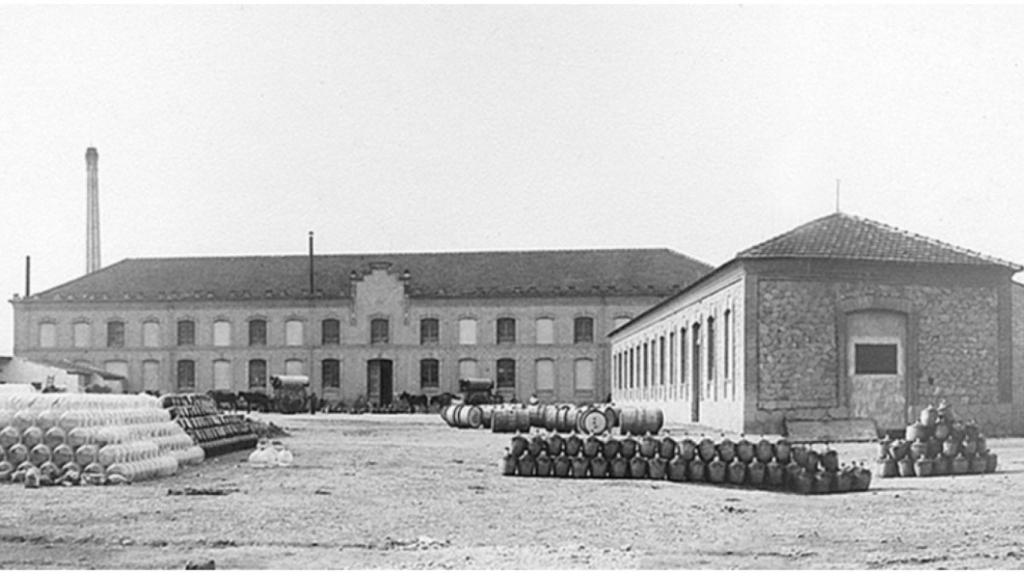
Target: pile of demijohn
{"points": [[938, 444]]}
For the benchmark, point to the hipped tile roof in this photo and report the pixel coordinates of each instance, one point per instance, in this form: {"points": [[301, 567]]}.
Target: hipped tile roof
{"points": [[847, 237], [655, 272]]}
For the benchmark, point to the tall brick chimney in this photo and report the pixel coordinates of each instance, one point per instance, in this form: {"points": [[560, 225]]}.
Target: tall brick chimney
{"points": [[92, 255]]}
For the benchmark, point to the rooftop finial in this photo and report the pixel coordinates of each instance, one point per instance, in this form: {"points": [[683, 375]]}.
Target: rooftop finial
{"points": [[838, 182]]}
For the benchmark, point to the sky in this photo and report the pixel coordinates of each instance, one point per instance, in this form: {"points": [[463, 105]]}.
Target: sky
{"points": [[235, 130]]}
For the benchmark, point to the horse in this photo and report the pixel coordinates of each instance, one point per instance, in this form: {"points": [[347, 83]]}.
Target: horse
{"points": [[225, 399], [414, 400], [255, 400], [443, 399]]}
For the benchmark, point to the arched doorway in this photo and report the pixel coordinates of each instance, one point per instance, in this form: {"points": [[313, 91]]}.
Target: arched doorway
{"points": [[379, 384]]}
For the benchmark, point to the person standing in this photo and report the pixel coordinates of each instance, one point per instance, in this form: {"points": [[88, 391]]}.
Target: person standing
{"points": [[312, 403]]}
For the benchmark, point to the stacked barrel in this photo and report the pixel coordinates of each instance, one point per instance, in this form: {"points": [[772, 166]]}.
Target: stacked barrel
{"points": [[562, 418], [70, 439], [216, 433], [938, 444], [763, 464]]}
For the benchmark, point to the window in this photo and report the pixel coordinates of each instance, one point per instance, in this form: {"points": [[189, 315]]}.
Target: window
{"points": [[330, 372], [583, 330], [584, 374], [294, 367], [545, 375], [506, 331], [151, 334], [379, 331], [186, 333], [545, 331], [115, 334], [661, 360], [257, 332], [81, 334], [620, 321], [467, 331], [222, 333], [293, 333], [726, 337], [330, 332], [257, 373], [875, 359], [506, 371], [672, 357], [186, 374], [682, 355], [467, 368], [430, 331], [711, 348], [222, 375], [119, 367], [47, 335], [430, 373], [151, 376]]}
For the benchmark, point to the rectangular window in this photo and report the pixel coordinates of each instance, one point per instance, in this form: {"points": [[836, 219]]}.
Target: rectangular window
{"points": [[682, 355], [467, 368], [726, 341], [186, 333], [257, 332], [430, 373], [47, 335], [430, 331], [583, 330], [331, 373], [222, 333], [506, 331], [81, 335], [151, 334], [115, 334], [467, 331], [545, 331], [379, 331], [875, 359], [672, 357], [330, 332], [293, 333], [661, 360], [584, 374], [545, 375], [711, 348], [257, 373], [295, 367], [506, 371], [186, 374], [222, 375]]}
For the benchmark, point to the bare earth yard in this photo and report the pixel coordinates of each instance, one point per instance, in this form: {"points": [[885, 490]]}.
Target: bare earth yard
{"points": [[407, 492]]}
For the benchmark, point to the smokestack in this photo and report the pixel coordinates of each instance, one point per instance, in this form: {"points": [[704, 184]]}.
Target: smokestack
{"points": [[92, 240], [311, 285], [28, 276]]}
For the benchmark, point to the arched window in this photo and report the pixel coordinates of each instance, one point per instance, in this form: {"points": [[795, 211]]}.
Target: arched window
{"points": [[467, 368], [545, 375], [151, 334], [545, 331], [186, 333], [222, 333], [330, 373], [467, 331], [430, 370], [506, 331], [506, 372], [584, 372], [583, 330], [81, 335], [330, 332], [430, 332], [115, 334], [379, 329], [257, 373], [257, 332], [222, 375], [186, 374], [293, 333]]}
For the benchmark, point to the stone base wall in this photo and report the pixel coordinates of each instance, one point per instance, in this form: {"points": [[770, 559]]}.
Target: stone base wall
{"points": [[952, 349]]}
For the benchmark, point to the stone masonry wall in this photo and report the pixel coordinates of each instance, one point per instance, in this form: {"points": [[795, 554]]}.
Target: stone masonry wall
{"points": [[956, 337]]}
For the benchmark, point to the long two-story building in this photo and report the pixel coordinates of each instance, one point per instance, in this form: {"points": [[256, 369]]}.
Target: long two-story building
{"points": [[367, 325]]}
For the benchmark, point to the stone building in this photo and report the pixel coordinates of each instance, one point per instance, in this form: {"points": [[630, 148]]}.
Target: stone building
{"points": [[357, 325], [842, 317]]}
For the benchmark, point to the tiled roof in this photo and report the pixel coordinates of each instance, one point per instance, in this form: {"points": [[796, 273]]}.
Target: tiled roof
{"points": [[846, 237], [653, 272]]}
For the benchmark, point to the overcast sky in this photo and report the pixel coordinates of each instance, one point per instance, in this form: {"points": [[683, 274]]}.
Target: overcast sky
{"points": [[704, 129]]}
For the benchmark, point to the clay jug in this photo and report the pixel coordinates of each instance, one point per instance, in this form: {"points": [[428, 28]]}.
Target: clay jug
{"points": [[519, 444], [737, 472], [536, 445], [918, 449], [706, 449], [638, 467], [618, 467], [526, 465], [782, 451], [555, 445], [687, 449], [887, 468], [756, 473], [573, 445], [977, 464], [941, 431], [916, 431], [960, 465], [745, 450], [799, 455], [929, 416], [942, 466], [981, 444], [861, 479], [542, 465], [591, 446], [726, 450], [628, 447], [649, 446], [668, 448], [970, 446], [991, 462], [695, 470], [923, 467], [830, 460], [611, 448], [803, 481], [598, 467], [792, 471], [716, 471], [656, 468], [906, 467], [950, 448], [562, 466], [580, 467], [677, 469], [775, 474], [508, 463]]}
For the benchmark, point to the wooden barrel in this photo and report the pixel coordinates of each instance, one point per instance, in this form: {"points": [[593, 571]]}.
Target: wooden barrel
{"points": [[612, 413], [563, 420], [550, 413], [486, 412], [536, 412], [448, 414], [629, 420], [522, 420], [592, 421], [503, 420], [468, 416]]}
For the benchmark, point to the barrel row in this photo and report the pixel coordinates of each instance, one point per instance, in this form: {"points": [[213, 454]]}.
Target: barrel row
{"points": [[771, 465], [555, 418]]}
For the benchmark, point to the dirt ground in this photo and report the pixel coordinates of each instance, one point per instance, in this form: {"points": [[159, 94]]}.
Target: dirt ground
{"points": [[407, 492]]}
